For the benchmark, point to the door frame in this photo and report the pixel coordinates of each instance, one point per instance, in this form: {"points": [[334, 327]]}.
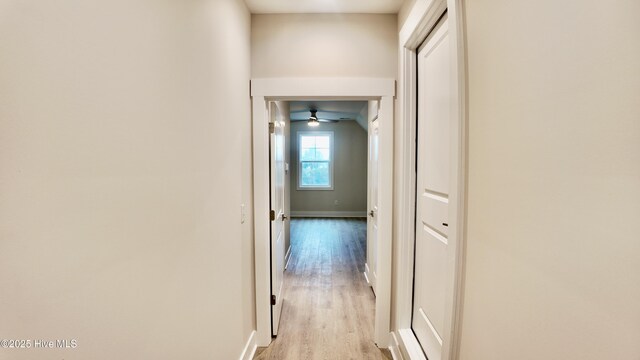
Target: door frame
{"points": [[423, 17], [272, 89]]}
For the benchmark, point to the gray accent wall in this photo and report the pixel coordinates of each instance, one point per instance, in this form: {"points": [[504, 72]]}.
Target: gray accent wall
{"points": [[350, 171]]}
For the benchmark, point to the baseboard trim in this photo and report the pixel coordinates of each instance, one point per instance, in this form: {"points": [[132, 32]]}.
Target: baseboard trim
{"points": [[329, 214], [250, 348], [409, 346], [394, 348], [287, 257]]}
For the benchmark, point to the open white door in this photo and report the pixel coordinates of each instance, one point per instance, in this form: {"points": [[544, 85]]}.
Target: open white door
{"points": [[278, 216], [372, 196], [434, 250]]}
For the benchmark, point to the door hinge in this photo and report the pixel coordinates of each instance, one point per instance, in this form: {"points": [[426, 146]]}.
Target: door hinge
{"points": [[273, 299], [272, 215], [272, 128]]}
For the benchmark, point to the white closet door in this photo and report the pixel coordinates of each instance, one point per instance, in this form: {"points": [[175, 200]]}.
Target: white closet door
{"points": [[432, 193]]}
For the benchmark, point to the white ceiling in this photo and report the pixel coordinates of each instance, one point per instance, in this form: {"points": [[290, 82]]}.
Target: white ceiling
{"points": [[324, 6], [331, 110]]}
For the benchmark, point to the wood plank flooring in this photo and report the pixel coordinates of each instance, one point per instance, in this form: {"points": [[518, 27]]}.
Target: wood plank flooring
{"points": [[328, 307]]}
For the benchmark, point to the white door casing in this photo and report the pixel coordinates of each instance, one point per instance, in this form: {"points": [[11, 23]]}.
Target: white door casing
{"points": [[434, 251], [265, 90], [420, 23], [277, 199], [372, 195]]}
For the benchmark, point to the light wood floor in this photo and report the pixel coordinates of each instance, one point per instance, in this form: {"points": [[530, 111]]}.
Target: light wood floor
{"points": [[328, 307]]}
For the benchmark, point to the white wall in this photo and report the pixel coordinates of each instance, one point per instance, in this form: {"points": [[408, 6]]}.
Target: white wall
{"points": [[324, 45], [553, 250], [349, 167], [123, 132], [404, 12]]}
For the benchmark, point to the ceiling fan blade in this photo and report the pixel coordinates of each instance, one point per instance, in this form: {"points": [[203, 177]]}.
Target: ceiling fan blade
{"points": [[327, 121]]}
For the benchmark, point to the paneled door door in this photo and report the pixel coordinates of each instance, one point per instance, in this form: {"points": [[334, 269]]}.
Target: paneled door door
{"points": [[372, 181], [278, 217], [433, 250]]}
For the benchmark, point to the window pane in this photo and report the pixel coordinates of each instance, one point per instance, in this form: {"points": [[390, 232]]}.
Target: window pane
{"points": [[323, 142], [307, 142], [314, 174], [307, 154], [314, 154], [323, 154]]}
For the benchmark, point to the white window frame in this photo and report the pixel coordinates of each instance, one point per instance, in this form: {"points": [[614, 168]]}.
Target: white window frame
{"points": [[331, 157]]}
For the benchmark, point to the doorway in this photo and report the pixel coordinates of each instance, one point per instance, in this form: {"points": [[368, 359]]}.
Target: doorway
{"points": [[265, 91], [430, 215], [323, 303], [318, 155]]}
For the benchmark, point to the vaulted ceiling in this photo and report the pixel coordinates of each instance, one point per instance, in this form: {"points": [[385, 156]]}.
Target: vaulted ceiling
{"points": [[324, 6], [330, 110]]}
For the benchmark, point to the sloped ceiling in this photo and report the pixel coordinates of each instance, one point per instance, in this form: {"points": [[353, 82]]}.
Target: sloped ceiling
{"points": [[330, 110], [324, 6]]}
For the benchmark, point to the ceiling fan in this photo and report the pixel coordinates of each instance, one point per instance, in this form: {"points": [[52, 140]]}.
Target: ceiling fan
{"points": [[314, 121]]}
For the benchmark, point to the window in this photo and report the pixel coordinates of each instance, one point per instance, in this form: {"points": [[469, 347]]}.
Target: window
{"points": [[315, 160]]}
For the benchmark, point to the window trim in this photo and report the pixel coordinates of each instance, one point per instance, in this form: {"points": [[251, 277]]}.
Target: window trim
{"points": [[299, 161]]}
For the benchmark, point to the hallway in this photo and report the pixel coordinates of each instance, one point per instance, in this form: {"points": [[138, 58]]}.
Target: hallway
{"points": [[328, 307]]}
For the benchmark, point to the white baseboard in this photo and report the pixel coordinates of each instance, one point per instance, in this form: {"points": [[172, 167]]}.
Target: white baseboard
{"points": [[250, 348], [394, 347], [329, 214], [287, 257], [408, 345]]}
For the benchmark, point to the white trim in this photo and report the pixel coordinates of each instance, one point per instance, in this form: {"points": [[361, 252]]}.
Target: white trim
{"points": [[328, 214], [299, 136], [264, 90], [405, 189], [328, 88], [250, 348], [423, 17], [287, 258], [394, 347], [409, 345], [261, 220]]}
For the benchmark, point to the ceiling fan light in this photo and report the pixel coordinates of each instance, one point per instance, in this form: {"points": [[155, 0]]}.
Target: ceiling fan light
{"points": [[313, 119]]}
